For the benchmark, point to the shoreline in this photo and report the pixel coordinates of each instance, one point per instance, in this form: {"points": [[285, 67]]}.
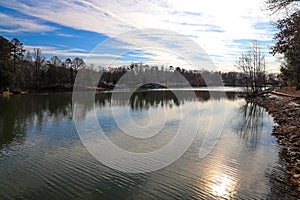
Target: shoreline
{"points": [[285, 110], [58, 89], [41, 91]]}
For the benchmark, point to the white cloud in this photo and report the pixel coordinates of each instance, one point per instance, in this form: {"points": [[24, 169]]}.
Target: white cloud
{"points": [[46, 50], [215, 25], [17, 25], [65, 35]]}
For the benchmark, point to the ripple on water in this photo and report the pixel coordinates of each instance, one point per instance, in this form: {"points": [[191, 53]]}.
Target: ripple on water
{"points": [[48, 161]]}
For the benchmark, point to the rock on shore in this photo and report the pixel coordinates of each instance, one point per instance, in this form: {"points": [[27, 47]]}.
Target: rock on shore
{"points": [[286, 114]]}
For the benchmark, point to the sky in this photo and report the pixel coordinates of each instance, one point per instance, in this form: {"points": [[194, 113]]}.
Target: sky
{"points": [[117, 31]]}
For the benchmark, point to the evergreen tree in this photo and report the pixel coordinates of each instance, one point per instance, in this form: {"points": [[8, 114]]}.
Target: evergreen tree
{"points": [[6, 68]]}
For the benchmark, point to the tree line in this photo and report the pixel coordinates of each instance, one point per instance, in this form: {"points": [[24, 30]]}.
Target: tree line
{"points": [[22, 69]]}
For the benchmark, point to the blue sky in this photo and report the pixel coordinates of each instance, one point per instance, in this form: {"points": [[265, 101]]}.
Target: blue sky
{"points": [[70, 28]]}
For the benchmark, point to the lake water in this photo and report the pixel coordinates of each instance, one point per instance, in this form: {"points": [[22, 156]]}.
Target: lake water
{"points": [[42, 156]]}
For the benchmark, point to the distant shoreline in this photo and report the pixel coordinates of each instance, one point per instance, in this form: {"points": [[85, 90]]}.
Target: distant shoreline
{"points": [[61, 88]]}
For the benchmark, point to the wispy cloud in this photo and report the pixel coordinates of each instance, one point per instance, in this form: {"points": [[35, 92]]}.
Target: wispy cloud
{"points": [[47, 50], [10, 24], [65, 35], [222, 28]]}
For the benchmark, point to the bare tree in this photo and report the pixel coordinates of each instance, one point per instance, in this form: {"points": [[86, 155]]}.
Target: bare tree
{"points": [[78, 63], [38, 61], [286, 5], [27, 74], [55, 61], [68, 62], [252, 65]]}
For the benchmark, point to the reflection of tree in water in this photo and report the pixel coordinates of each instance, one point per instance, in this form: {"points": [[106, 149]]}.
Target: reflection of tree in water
{"points": [[249, 128], [215, 95], [146, 99], [103, 99], [20, 111], [250, 124], [231, 96]]}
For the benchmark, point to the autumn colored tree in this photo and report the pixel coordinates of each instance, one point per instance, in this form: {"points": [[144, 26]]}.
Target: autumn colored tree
{"points": [[288, 40], [289, 45]]}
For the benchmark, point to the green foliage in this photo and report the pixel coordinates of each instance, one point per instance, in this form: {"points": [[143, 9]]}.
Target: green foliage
{"points": [[17, 52], [31, 71]]}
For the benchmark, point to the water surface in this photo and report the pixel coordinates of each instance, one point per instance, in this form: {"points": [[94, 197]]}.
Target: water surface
{"points": [[42, 157]]}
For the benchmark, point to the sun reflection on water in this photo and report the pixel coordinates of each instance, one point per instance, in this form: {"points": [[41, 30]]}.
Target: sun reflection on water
{"points": [[221, 185]]}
